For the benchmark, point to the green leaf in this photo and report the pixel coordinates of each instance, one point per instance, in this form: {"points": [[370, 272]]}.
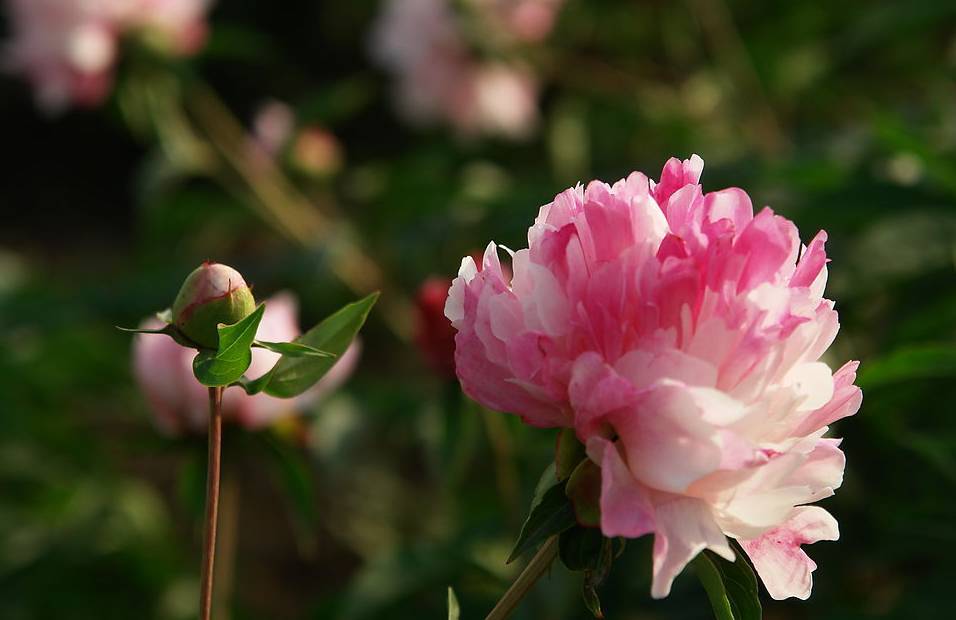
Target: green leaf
{"points": [[917, 362], [226, 365], [550, 514], [293, 375], [731, 586], [454, 611], [292, 349]]}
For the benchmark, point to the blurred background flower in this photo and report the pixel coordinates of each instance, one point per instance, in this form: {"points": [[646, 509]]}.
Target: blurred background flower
{"points": [[68, 48], [163, 370], [440, 75]]}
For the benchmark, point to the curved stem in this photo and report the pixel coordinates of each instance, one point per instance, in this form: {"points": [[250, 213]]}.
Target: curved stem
{"points": [[537, 567], [212, 502]]}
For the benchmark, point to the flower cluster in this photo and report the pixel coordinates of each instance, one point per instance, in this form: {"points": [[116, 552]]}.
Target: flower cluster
{"points": [[164, 372], [680, 336], [68, 48], [439, 75]]}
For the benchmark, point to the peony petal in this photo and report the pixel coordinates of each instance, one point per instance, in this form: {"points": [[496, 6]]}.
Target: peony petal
{"points": [[783, 566], [685, 527], [626, 509]]}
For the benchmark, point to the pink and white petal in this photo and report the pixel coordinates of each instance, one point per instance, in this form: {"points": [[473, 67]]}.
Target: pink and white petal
{"points": [[668, 444], [626, 509], [685, 527], [785, 569], [846, 401], [822, 473]]}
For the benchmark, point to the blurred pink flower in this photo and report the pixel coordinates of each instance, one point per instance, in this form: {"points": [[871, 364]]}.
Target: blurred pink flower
{"points": [[272, 127], [163, 370], [68, 48], [438, 77], [527, 20], [680, 336], [434, 334]]}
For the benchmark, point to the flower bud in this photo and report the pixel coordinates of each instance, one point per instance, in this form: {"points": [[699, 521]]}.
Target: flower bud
{"points": [[212, 294]]}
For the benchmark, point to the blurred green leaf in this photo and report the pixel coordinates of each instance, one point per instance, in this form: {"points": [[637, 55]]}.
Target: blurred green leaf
{"points": [[731, 586], [234, 355], [917, 362], [454, 611], [293, 375]]}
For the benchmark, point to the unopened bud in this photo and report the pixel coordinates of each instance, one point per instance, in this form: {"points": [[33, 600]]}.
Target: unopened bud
{"points": [[210, 295]]}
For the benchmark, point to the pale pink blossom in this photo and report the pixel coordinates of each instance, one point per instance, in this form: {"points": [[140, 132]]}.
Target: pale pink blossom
{"points": [[68, 48], [681, 336], [163, 370], [439, 77]]}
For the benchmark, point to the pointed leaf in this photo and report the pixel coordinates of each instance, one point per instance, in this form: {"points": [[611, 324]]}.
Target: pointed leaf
{"points": [[169, 330], [550, 515], [293, 375], [292, 349], [731, 586], [234, 355]]}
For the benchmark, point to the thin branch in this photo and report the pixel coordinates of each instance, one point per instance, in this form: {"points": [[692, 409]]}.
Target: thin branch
{"points": [[537, 567]]}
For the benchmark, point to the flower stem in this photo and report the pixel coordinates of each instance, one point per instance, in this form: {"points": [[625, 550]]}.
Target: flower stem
{"points": [[537, 567], [212, 502]]}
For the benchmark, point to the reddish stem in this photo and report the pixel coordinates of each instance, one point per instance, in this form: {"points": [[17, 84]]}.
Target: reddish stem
{"points": [[212, 502]]}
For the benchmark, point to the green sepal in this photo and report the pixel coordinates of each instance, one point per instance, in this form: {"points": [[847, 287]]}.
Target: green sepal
{"points": [[225, 365], [169, 330], [580, 547], [568, 453], [584, 490]]}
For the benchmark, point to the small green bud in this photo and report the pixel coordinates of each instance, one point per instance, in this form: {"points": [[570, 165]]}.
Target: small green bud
{"points": [[210, 295]]}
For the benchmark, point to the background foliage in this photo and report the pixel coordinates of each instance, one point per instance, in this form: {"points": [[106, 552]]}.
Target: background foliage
{"points": [[839, 115]]}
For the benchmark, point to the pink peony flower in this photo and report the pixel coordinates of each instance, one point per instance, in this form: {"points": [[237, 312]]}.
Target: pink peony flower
{"points": [[163, 370], [438, 76], [68, 48], [680, 335]]}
